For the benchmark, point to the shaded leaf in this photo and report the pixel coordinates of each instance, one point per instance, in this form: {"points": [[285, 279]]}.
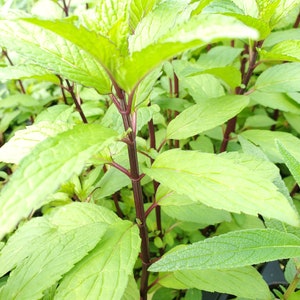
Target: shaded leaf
{"points": [[237, 281]]}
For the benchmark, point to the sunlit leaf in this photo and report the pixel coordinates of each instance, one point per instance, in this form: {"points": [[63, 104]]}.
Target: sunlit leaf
{"points": [[266, 140], [49, 247], [25, 140], [221, 183], [104, 273], [53, 52], [231, 250], [50, 164], [282, 78], [205, 115], [292, 163]]}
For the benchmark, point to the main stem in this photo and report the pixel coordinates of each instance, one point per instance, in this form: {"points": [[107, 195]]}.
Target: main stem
{"points": [[135, 177]]}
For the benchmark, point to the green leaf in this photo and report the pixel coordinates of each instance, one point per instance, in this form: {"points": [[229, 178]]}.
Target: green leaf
{"points": [[29, 237], [132, 292], [138, 10], [181, 207], [259, 121], [47, 247], [280, 36], [282, 78], [231, 250], [51, 163], [55, 113], [266, 140], [291, 270], [25, 140], [293, 120], [196, 32], [219, 56], [103, 274], [245, 11], [19, 100], [202, 87], [285, 51], [55, 53], [292, 163], [113, 119], [237, 281], [230, 75], [200, 6], [27, 71], [267, 9], [284, 8], [207, 115], [146, 86], [111, 19], [221, 183], [279, 101]]}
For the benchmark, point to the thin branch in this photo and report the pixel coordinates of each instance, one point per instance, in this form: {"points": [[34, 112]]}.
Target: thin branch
{"points": [[296, 24], [62, 89], [4, 52], [77, 101], [120, 168], [241, 90], [115, 197]]}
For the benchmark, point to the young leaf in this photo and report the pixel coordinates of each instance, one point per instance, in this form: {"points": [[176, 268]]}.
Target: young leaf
{"points": [[103, 274], [207, 115], [53, 52], [284, 8], [221, 183], [292, 163], [50, 164], [138, 10], [196, 32], [245, 11], [237, 281], [231, 250], [282, 78]]}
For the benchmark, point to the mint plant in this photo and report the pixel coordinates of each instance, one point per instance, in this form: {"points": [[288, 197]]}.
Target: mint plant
{"points": [[150, 149]]}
